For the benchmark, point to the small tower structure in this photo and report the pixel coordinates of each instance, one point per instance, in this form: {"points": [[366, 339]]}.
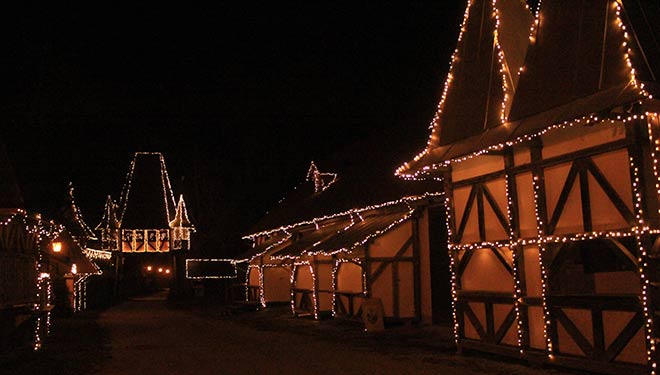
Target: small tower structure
{"points": [[147, 231], [181, 227], [109, 226], [72, 218]]}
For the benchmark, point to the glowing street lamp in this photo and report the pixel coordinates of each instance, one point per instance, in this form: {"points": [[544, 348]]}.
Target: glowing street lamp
{"points": [[57, 247]]}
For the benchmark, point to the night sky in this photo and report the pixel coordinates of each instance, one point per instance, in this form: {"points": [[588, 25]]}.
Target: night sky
{"points": [[239, 97]]}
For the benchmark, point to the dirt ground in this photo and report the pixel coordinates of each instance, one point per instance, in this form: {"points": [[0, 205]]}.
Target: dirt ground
{"points": [[152, 336]]}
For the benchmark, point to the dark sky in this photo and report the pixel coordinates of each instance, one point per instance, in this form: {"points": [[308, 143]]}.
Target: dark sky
{"points": [[239, 97]]}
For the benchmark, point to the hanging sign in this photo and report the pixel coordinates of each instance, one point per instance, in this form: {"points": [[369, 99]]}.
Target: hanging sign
{"points": [[372, 315]]}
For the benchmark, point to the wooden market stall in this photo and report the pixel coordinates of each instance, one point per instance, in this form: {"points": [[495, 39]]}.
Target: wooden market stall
{"points": [[267, 280], [334, 246], [553, 191]]}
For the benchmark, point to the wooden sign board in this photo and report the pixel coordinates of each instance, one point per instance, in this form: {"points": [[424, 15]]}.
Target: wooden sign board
{"points": [[372, 315]]}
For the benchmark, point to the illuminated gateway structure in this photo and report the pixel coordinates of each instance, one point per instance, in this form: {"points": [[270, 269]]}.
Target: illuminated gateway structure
{"points": [[546, 141], [147, 233]]}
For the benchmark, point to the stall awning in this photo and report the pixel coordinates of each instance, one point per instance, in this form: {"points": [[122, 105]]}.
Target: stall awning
{"points": [[346, 235], [262, 248], [359, 233], [307, 240]]}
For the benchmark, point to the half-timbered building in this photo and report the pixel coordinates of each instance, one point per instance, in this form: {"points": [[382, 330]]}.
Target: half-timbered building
{"points": [[148, 231], [32, 263], [341, 238], [550, 173]]}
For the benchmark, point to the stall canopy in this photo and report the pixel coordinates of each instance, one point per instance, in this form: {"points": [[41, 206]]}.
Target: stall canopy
{"points": [[308, 240], [369, 226], [269, 243]]}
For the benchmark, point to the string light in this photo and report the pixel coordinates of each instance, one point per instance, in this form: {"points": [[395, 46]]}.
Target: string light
{"points": [[640, 230], [314, 291], [210, 260], [94, 254], [320, 183], [402, 171], [435, 122], [408, 199], [77, 216], [109, 226], [153, 239], [42, 306], [535, 25], [320, 247], [165, 184]]}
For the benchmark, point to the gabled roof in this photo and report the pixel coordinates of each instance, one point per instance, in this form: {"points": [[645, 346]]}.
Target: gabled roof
{"points": [[147, 201], [306, 240], [23, 231], [272, 241], [642, 18], [586, 62], [580, 49], [73, 220], [363, 180], [366, 227], [483, 75], [109, 219], [73, 254], [181, 215]]}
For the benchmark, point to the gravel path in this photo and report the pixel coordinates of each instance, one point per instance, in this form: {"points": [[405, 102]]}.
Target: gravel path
{"points": [[150, 337]]}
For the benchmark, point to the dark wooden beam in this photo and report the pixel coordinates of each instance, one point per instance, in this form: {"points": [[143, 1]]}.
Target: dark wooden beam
{"points": [[563, 198], [466, 213], [496, 209], [574, 332], [502, 260], [598, 333], [490, 322], [479, 296], [366, 264], [625, 302], [512, 188], [480, 212], [472, 317], [584, 196], [462, 264], [539, 162], [539, 175], [629, 331], [388, 261], [505, 326], [522, 285], [392, 260], [395, 290], [417, 282]]}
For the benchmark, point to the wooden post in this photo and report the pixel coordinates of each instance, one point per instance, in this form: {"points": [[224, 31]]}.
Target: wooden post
{"points": [[366, 264], [512, 191], [395, 288], [315, 275], [542, 212], [637, 144], [417, 281], [119, 260]]}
